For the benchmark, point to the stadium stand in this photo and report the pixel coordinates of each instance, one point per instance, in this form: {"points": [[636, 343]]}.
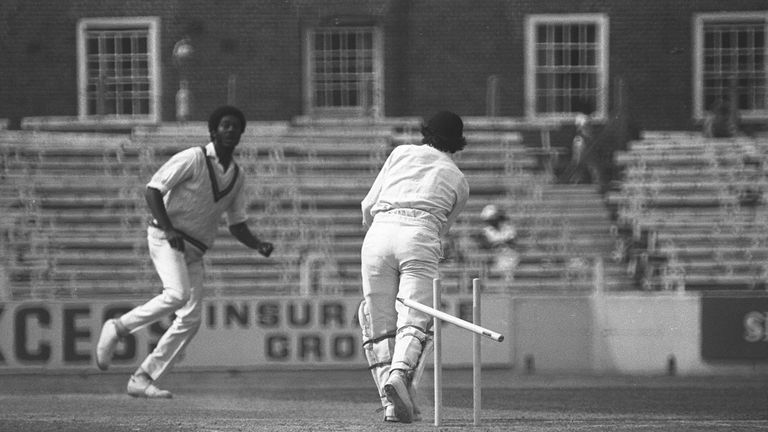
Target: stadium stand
{"points": [[694, 209], [74, 219], [69, 213]]}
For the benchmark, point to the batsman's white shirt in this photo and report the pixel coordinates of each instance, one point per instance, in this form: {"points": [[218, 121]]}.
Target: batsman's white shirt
{"points": [[197, 193], [418, 177]]}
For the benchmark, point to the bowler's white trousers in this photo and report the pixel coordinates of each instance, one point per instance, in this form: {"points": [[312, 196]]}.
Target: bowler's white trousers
{"points": [[400, 257], [182, 276]]}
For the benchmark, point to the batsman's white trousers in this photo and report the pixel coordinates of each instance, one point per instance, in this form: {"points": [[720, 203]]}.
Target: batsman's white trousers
{"points": [[182, 276], [399, 257]]}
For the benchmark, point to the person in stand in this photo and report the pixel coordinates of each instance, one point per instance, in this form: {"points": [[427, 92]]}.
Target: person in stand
{"points": [[583, 167], [416, 197], [187, 198], [722, 120], [499, 235]]}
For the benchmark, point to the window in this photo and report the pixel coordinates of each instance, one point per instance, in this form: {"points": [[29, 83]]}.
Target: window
{"points": [[730, 53], [343, 71], [118, 69], [567, 67]]}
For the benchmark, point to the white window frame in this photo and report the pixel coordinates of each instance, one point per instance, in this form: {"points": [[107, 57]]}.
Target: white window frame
{"points": [[152, 24], [699, 21], [376, 107], [601, 23]]}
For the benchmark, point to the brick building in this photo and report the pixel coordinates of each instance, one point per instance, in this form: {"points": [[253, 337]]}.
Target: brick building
{"points": [[111, 63]]}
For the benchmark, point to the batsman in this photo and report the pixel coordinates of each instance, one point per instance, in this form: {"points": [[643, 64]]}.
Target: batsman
{"points": [[414, 200]]}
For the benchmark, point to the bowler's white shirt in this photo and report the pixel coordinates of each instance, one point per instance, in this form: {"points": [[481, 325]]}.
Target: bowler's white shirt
{"points": [[418, 177], [187, 191]]}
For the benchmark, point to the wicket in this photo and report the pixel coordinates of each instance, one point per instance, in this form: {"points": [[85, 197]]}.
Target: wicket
{"points": [[474, 327]]}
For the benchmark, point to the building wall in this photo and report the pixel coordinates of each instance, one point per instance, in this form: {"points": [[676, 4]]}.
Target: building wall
{"points": [[438, 54], [39, 50]]}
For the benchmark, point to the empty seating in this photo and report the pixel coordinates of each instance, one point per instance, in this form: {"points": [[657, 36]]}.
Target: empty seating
{"points": [[699, 202]]}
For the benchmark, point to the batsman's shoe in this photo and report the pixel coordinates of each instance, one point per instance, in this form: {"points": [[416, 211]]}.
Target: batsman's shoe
{"points": [[389, 414], [416, 414], [396, 389], [107, 342], [143, 388], [416, 410]]}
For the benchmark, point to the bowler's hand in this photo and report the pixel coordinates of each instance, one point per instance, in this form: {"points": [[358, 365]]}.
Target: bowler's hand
{"points": [[265, 248], [175, 239]]}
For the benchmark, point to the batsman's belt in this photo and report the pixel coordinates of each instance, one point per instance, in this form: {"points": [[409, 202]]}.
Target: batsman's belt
{"points": [[411, 215], [188, 238]]}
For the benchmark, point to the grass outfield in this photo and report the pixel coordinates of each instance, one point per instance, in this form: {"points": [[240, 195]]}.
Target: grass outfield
{"points": [[345, 401]]}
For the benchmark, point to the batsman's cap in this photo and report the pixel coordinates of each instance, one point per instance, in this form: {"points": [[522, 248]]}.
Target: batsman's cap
{"points": [[221, 112], [490, 212], [446, 124]]}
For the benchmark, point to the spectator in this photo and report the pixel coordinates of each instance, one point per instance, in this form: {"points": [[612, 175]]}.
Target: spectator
{"points": [[500, 236], [584, 168], [722, 120]]}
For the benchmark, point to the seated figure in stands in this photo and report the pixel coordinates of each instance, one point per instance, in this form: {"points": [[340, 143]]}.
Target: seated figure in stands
{"points": [[500, 236], [187, 198]]}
